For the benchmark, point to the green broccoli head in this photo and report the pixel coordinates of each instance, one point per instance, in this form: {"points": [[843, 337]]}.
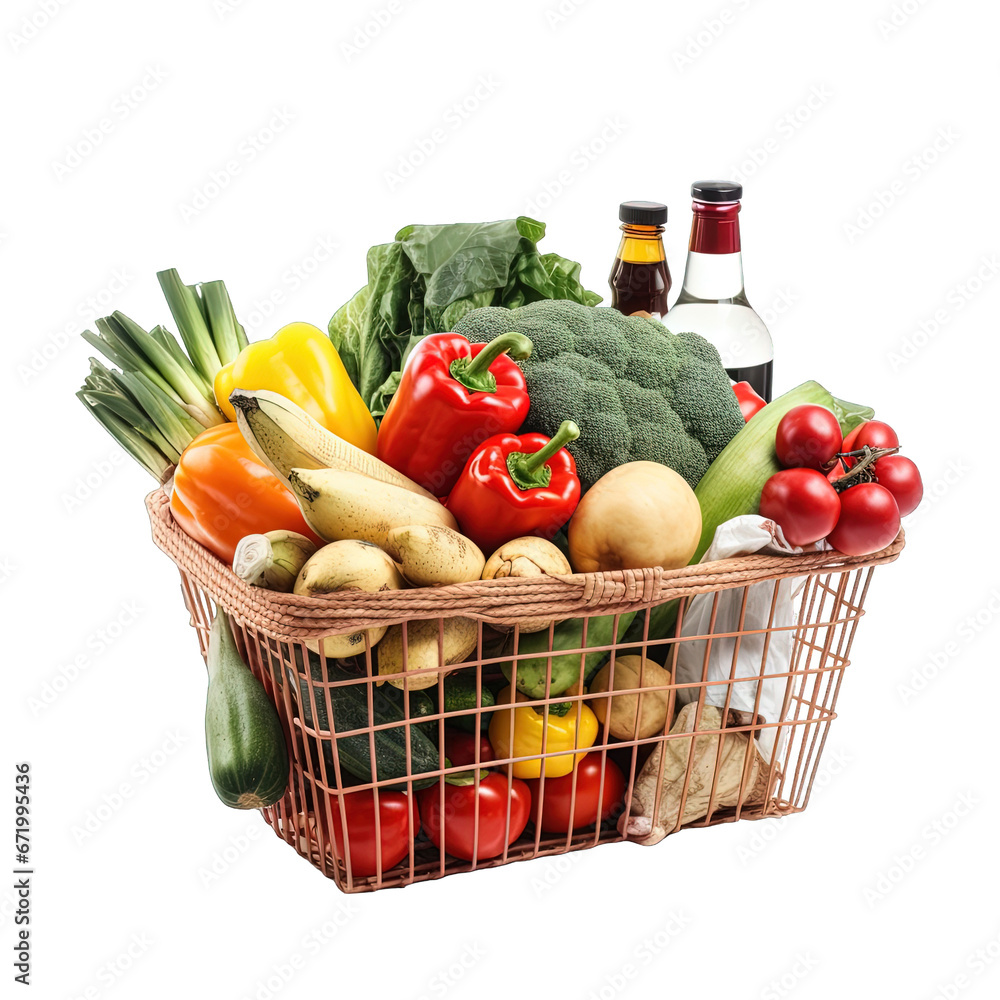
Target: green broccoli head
{"points": [[637, 391]]}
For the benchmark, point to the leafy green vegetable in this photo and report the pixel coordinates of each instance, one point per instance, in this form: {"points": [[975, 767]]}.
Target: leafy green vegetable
{"points": [[431, 277]]}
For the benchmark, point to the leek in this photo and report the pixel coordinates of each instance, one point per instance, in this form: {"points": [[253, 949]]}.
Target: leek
{"points": [[191, 325]]}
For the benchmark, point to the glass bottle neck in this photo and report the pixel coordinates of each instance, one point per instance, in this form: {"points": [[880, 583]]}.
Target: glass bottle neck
{"points": [[641, 244], [714, 269]]}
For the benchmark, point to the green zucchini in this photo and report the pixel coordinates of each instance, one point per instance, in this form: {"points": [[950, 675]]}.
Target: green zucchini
{"points": [[532, 673], [247, 758], [350, 711], [460, 694]]}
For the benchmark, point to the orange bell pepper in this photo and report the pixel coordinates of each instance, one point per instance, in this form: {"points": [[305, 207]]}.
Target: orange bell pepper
{"points": [[222, 492]]}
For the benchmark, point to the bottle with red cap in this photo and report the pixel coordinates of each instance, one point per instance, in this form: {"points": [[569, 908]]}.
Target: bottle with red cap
{"points": [[712, 299]]}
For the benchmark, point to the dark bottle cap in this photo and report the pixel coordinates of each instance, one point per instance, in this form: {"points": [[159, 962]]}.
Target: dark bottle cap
{"points": [[642, 213], [716, 191]]}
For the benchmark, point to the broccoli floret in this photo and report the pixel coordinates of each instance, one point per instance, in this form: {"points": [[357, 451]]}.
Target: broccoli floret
{"points": [[638, 391]]}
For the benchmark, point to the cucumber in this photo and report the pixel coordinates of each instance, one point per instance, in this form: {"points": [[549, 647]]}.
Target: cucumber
{"points": [[421, 704], [350, 711], [247, 757], [459, 695], [531, 673]]}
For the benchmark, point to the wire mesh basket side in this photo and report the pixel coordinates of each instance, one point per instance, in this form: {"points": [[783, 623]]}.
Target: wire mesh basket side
{"points": [[702, 767]]}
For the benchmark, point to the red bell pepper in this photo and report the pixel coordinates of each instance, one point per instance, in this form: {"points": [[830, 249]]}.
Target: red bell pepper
{"points": [[513, 486], [452, 396], [750, 402]]}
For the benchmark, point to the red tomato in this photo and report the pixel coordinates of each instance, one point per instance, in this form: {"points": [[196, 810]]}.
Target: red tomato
{"points": [[869, 520], [558, 792], [808, 437], [902, 479], [462, 804], [875, 434], [396, 814], [802, 502], [460, 748]]}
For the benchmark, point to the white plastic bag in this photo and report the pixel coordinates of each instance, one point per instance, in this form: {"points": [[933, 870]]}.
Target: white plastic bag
{"points": [[742, 536]]}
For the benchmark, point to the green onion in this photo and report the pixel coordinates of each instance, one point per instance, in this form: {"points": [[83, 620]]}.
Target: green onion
{"points": [[146, 454], [187, 313], [222, 320]]}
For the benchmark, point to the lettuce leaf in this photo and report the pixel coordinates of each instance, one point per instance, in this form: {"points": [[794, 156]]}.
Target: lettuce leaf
{"points": [[428, 279]]}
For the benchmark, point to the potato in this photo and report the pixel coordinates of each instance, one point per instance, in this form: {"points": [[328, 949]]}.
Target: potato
{"points": [[432, 555], [422, 652], [640, 514], [527, 557], [633, 716]]}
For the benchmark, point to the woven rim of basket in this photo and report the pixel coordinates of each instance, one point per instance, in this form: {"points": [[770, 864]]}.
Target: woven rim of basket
{"points": [[498, 602]]}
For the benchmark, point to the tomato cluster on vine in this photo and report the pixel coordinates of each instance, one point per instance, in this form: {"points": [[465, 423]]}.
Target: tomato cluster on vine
{"points": [[850, 490]]}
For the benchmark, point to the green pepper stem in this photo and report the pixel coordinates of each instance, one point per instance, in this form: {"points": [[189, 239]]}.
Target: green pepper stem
{"points": [[475, 374], [528, 469]]}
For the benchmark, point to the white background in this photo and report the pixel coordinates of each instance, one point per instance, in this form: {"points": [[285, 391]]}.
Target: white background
{"points": [[857, 230]]}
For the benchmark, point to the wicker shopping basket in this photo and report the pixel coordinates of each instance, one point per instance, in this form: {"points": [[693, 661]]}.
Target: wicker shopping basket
{"points": [[683, 780]]}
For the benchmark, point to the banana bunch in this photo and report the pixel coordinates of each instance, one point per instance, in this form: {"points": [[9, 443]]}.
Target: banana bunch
{"points": [[385, 532]]}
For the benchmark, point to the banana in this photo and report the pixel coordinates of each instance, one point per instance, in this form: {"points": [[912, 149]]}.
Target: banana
{"points": [[284, 437], [431, 555], [458, 640], [347, 565], [272, 560], [338, 504]]}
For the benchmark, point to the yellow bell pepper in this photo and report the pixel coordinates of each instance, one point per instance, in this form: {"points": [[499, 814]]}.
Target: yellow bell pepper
{"points": [[576, 730], [301, 363]]}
